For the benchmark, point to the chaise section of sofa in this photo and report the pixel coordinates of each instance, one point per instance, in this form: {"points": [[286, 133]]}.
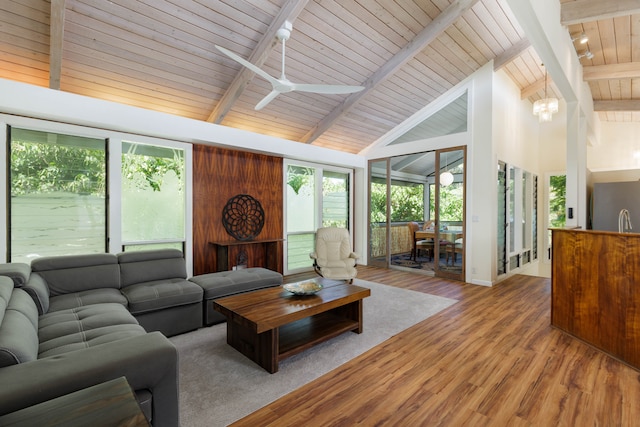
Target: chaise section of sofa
{"points": [[225, 283]]}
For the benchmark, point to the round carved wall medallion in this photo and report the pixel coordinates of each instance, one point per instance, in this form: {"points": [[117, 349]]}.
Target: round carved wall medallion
{"points": [[243, 217]]}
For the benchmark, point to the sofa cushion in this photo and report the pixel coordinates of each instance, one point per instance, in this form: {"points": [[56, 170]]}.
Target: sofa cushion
{"points": [[18, 325], [148, 266], [75, 273], [93, 296], [81, 327], [160, 294], [224, 283]]}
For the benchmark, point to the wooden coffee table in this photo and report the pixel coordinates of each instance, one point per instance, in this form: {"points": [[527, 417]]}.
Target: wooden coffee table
{"points": [[272, 324]]}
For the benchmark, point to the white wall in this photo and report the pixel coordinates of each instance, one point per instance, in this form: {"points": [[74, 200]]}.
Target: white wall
{"points": [[516, 130], [619, 148]]}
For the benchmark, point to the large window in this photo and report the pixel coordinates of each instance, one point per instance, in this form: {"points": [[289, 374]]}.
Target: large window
{"points": [[74, 190], [315, 197], [58, 195], [153, 196], [517, 218]]}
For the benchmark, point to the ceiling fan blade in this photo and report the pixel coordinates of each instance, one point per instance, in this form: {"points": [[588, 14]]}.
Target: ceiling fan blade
{"points": [[248, 64], [267, 99], [326, 89]]}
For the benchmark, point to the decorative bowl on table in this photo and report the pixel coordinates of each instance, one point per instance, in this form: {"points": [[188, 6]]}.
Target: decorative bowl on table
{"points": [[309, 287]]}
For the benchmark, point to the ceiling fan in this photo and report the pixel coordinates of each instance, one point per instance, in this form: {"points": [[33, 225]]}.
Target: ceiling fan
{"points": [[283, 85]]}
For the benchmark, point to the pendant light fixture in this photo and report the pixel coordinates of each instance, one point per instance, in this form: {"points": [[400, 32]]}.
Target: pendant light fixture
{"points": [[446, 177], [544, 108]]}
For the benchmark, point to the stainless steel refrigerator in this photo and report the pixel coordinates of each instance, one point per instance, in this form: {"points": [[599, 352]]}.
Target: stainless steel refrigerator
{"points": [[609, 199]]}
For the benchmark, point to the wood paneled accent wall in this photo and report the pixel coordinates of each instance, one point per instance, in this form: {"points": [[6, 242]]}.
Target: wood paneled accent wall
{"points": [[595, 290], [218, 175]]}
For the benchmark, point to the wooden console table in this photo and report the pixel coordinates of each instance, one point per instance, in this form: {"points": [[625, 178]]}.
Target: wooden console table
{"points": [[271, 250]]}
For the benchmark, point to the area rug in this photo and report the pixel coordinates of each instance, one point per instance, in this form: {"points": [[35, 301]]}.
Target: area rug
{"points": [[218, 385], [406, 260]]}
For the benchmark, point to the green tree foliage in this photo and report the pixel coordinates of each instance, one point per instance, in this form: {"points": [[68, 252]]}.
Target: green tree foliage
{"points": [[298, 176], [43, 168], [451, 207], [378, 206], [557, 200], [153, 169], [407, 202]]}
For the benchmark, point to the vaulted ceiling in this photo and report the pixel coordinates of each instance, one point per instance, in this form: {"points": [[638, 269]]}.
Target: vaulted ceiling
{"points": [[161, 55]]}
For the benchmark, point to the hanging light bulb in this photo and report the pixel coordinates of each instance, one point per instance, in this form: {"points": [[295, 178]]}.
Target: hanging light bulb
{"points": [[446, 178], [545, 108]]}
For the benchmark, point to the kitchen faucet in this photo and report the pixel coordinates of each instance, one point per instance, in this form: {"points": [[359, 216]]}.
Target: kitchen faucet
{"points": [[624, 221]]}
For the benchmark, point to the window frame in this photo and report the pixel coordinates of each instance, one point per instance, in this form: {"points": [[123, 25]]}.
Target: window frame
{"points": [[319, 173], [114, 162]]}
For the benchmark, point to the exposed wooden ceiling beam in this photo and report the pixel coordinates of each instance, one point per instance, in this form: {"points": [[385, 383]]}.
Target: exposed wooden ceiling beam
{"points": [[510, 54], [624, 105], [422, 40], [626, 70], [536, 86], [289, 12], [576, 12], [528, 91], [56, 38]]}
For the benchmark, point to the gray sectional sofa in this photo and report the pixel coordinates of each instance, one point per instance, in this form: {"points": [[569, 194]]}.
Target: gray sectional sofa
{"points": [[70, 322]]}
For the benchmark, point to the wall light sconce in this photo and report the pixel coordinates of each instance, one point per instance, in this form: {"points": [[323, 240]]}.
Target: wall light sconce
{"points": [[582, 38], [587, 54]]}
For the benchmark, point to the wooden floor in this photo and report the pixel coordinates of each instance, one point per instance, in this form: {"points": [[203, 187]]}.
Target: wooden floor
{"points": [[492, 359]]}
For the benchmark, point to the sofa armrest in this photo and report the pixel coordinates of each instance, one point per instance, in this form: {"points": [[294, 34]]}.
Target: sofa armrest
{"points": [[38, 289], [18, 272], [148, 361]]}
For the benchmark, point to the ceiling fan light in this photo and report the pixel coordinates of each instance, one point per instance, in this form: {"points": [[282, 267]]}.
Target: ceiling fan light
{"points": [[446, 178]]}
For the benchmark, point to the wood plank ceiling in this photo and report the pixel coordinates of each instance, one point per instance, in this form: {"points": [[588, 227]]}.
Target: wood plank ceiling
{"points": [[160, 55]]}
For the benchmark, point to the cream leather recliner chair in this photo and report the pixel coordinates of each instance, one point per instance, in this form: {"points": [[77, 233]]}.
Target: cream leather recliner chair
{"points": [[333, 258]]}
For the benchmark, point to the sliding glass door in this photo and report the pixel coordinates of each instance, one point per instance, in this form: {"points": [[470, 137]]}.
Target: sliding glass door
{"points": [[417, 214], [449, 217], [379, 226]]}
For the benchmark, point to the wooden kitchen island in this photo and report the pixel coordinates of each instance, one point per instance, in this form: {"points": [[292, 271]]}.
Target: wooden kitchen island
{"points": [[595, 290]]}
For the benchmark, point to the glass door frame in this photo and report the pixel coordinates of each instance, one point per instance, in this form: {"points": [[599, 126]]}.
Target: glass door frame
{"points": [[318, 211], [438, 270], [385, 260], [373, 260]]}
